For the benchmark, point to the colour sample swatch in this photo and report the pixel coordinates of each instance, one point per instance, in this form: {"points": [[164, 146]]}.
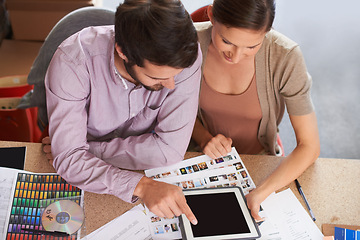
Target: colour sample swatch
{"points": [[33, 192]]}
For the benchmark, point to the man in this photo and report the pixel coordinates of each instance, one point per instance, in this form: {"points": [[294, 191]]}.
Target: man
{"points": [[126, 97]]}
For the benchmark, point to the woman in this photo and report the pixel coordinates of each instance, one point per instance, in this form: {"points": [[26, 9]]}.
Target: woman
{"points": [[250, 73]]}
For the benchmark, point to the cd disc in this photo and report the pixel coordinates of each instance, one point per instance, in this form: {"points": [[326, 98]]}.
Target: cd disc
{"points": [[63, 216]]}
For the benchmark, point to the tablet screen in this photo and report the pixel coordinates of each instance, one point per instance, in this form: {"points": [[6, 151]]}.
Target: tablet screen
{"points": [[221, 213], [217, 214]]}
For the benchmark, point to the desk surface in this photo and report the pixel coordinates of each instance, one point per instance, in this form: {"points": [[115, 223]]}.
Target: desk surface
{"points": [[332, 187]]}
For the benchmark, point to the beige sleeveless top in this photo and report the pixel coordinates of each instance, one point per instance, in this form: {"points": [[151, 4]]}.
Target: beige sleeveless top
{"points": [[235, 116]]}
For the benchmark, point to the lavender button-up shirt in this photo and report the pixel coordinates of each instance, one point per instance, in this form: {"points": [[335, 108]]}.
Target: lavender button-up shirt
{"points": [[99, 123]]}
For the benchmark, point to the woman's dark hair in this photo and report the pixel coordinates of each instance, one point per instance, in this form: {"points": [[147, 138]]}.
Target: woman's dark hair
{"points": [[160, 31], [250, 14]]}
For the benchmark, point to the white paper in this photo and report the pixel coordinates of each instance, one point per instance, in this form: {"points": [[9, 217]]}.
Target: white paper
{"points": [[174, 170], [202, 171], [7, 179], [131, 225], [268, 229], [289, 216], [162, 228]]}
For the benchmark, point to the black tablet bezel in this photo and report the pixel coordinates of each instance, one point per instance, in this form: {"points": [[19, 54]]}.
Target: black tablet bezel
{"points": [[186, 228]]}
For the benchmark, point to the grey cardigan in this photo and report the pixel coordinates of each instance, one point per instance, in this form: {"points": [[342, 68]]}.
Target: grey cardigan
{"points": [[282, 80]]}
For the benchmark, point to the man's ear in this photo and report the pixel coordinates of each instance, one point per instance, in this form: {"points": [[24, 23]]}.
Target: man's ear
{"points": [[210, 13], [120, 52]]}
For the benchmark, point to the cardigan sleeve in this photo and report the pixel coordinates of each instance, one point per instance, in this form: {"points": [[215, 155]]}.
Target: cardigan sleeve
{"points": [[295, 83]]}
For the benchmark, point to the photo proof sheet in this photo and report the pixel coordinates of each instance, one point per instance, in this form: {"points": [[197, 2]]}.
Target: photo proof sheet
{"points": [[204, 172]]}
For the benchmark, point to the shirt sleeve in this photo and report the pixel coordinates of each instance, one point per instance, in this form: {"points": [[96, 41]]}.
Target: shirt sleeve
{"points": [[94, 166], [67, 89], [174, 122]]}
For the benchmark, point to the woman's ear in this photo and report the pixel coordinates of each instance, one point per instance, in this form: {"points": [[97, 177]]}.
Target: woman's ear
{"points": [[210, 13], [120, 52]]}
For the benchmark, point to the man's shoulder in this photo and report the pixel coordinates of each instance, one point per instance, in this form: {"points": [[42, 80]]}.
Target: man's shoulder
{"points": [[92, 40]]}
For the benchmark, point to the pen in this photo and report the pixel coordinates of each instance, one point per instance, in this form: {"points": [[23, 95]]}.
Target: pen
{"points": [[298, 186], [54, 233]]}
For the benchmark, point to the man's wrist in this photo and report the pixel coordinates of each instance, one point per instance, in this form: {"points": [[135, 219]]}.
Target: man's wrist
{"points": [[138, 192]]}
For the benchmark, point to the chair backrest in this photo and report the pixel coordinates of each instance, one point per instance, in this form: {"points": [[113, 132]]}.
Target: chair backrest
{"points": [[67, 26], [200, 15], [14, 86], [15, 124]]}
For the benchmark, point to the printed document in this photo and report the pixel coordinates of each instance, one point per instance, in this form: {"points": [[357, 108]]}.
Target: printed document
{"points": [[290, 218]]}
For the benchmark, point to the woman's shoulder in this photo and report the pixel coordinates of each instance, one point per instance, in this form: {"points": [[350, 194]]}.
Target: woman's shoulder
{"points": [[202, 26], [277, 44], [204, 31], [204, 35], [276, 39]]}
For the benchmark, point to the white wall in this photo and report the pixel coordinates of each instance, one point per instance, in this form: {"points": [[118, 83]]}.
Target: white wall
{"points": [[190, 5]]}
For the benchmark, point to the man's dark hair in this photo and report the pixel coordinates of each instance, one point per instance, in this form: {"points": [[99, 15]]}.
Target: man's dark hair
{"points": [[249, 14], [160, 31]]}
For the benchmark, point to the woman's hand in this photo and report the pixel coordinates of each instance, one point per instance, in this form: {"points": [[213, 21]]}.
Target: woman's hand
{"points": [[253, 201], [218, 146], [47, 149], [214, 147]]}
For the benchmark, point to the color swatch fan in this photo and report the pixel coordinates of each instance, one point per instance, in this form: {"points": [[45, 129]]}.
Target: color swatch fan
{"points": [[36, 199]]}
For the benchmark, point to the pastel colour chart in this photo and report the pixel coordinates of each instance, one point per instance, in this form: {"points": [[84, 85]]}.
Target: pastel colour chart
{"points": [[33, 192]]}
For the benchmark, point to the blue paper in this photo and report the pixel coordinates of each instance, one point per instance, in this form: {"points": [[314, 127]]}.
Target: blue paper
{"points": [[350, 234], [339, 233]]}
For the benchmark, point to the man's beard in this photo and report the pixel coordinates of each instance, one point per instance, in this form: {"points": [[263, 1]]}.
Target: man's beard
{"points": [[131, 72]]}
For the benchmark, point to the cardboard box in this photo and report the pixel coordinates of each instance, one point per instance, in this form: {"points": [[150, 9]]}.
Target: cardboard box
{"points": [[33, 20], [17, 57]]}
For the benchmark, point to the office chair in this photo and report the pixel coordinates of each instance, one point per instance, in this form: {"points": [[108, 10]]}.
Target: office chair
{"points": [[14, 86], [67, 26], [200, 15], [15, 124]]}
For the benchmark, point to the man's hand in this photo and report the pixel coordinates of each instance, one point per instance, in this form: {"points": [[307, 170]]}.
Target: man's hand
{"points": [[47, 149], [163, 199], [218, 146]]}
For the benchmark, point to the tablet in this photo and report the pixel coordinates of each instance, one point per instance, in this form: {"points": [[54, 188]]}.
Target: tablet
{"points": [[221, 213]]}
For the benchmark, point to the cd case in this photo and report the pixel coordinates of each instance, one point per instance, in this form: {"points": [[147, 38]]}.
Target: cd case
{"points": [[42, 206]]}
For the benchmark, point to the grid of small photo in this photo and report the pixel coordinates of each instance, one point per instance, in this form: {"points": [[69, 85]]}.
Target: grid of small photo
{"points": [[203, 171], [194, 167], [163, 228], [224, 178]]}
